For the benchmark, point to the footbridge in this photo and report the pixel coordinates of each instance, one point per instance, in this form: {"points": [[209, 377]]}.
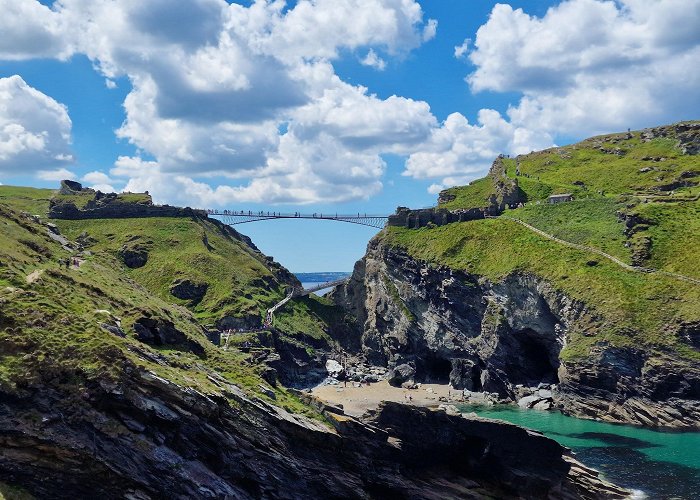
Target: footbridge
{"points": [[235, 217], [299, 292]]}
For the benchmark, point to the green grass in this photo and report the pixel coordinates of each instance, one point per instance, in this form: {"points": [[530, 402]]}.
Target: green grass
{"points": [[675, 235], [50, 329], [239, 282], [587, 172], [635, 307], [592, 222], [31, 200], [474, 195], [134, 198], [307, 318]]}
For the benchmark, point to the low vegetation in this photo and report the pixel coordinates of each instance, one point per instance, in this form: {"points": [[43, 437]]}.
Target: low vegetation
{"points": [[643, 178], [75, 325]]}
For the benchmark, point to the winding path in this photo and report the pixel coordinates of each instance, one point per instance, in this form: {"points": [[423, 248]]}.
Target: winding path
{"points": [[596, 251], [299, 292]]}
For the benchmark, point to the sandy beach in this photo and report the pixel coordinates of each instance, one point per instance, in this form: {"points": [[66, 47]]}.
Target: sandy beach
{"points": [[356, 400]]}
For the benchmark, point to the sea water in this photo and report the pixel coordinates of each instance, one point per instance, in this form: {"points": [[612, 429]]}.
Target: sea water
{"points": [[656, 464]]}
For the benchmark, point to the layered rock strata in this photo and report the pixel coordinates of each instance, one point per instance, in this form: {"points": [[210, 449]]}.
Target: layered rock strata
{"points": [[145, 437], [441, 325]]}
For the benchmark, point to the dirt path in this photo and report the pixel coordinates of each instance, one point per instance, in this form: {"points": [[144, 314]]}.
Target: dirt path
{"points": [[612, 258]]}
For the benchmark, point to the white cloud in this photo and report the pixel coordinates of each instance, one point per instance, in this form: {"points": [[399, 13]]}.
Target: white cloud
{"points": [[315, 29], [99, 181], [463, 49], [248, 92], [30, 29], [461, 151], [373, 61], [55, 175], [35, 130], [590, 66]]}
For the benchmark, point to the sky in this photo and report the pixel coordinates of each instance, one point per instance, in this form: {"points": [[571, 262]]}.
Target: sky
{"points": [[336, 106]]}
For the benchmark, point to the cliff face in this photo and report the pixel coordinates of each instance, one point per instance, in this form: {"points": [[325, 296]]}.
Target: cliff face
{"points": [[146, 437], [504, 337], [108, 390]]}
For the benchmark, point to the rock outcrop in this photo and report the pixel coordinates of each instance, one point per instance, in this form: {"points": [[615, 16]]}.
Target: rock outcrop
{"points": [[145, 437], [134, 254], [187, 289], [507, 337], [505, 193]]}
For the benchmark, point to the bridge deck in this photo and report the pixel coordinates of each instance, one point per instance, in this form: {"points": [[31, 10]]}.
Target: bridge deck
{"points": [[234, 217]]}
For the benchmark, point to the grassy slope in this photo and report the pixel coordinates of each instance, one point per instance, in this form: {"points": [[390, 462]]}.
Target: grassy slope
{"points": [[612, 183], [236, 275], [591, 222], [635, 307], [240, 283], [51, 326]]}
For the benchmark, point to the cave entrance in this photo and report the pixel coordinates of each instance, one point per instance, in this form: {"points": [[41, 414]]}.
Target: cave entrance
{"points": [[534, 359], [437, 370]]}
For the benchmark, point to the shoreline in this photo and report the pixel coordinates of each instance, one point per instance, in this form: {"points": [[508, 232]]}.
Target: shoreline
{"points": [[356, 400]]}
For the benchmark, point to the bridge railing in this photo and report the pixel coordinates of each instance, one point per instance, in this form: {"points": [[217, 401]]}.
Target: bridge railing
{"points": [[235, 217]]}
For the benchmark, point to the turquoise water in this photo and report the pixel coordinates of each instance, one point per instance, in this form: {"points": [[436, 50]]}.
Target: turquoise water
{"points": [[663, 465]]}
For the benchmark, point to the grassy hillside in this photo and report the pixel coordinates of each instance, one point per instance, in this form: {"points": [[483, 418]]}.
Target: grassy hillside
{"points": [[646, 180], [79, 324], [636, 307], [603, 166]]}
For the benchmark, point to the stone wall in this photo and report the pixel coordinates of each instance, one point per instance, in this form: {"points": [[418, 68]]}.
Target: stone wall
{"points": [[121, 211], [414, 219], [506, 193]]}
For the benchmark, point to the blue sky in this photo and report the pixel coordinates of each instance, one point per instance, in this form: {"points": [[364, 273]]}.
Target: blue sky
{"points": [[327, 105]]}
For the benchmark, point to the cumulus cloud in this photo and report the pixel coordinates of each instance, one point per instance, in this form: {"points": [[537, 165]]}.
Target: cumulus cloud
{"points": [[248, 92], [373, 61], [99, 181], [30, 29], [55, 175], [35, 130], [318, 29], [590, 66], [458, 151]]}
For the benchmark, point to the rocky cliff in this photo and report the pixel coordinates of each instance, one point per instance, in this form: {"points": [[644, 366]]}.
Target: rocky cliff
{"points": [[590, 306], [505, 338], [110, 388], [143, 436]]}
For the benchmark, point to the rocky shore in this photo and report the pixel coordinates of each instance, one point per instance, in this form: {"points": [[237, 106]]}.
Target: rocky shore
{"points": [[432, 323], [146, 437]]}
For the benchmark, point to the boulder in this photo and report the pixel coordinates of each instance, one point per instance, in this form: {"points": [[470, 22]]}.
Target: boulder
{"points": [[334, 369], [187, 289], [114, 330], [400, 374], [267, 391], [70, 187], [134, 256], [543, 404], [544, 393], [162, 332], [528, 401]]}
